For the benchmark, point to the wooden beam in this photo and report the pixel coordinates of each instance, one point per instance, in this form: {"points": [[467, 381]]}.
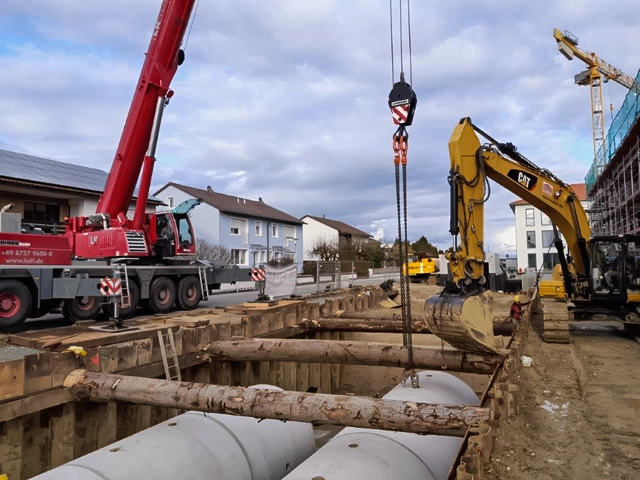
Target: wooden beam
{"points": [[316, 408], [352, 353], [384, 326], [33, 403]]}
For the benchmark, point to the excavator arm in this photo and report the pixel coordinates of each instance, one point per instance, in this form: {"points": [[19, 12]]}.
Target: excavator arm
{"points": [[461, 315]]}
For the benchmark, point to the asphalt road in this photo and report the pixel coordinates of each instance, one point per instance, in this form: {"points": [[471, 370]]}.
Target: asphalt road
{"points": [[222, 299]]}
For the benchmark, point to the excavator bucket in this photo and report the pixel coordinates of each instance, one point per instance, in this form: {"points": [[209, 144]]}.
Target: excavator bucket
{"points": [[463, 322]]}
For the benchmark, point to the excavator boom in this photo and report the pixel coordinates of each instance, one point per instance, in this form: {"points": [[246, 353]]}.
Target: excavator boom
{"points": [[462, 315]]}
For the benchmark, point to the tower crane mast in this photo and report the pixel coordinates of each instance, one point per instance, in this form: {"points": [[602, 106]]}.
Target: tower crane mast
{"points": [[597, 72]]}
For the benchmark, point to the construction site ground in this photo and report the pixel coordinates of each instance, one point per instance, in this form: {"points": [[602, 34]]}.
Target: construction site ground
{"points": [[578, 407]]}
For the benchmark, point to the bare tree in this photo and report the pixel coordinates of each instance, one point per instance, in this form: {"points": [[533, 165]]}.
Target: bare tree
{"points": [[208, 251], [327, 250]]}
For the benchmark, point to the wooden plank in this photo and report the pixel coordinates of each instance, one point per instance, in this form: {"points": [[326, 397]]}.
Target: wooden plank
{"points": [[107, 424], [62, 432], [33, 403], [36, 445], [11, 448], [86, 428], [60, 339], [11, 378], [38, 368]]}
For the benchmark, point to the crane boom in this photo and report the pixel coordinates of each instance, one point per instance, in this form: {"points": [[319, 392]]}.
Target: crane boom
{"points": [[598, 71], [162, 60], [568, 46]]}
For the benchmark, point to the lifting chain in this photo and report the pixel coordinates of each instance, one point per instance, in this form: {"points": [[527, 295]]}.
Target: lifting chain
{"points": [[402, 102]]}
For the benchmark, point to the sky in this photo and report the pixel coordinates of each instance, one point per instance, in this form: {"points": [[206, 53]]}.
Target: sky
{"points": [[287, 99]]}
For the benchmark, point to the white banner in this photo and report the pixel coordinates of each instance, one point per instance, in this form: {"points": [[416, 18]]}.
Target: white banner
{"points": [[281, 281]]}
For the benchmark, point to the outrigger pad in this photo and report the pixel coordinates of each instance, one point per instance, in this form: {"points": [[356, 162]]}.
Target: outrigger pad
{"points": [[463, 322], [114, 328]]}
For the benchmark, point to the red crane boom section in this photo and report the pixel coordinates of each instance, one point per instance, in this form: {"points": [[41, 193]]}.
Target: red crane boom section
{"points": [[162, 59]]}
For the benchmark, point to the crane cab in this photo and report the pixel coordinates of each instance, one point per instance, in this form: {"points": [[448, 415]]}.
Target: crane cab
{"points": [[173, 232]]}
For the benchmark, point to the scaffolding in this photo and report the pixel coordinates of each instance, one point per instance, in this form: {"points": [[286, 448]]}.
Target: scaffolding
{"points": [[613, 181]]}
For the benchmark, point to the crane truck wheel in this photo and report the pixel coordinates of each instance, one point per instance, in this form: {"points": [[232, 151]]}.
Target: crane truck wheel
{"points": [[15, 303], [134, 301], [464, 322], [162, 295], [189, 294], [82, 308]]}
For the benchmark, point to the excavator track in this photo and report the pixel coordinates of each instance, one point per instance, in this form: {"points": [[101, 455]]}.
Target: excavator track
{"points": [[556, 321], [463, 322]]}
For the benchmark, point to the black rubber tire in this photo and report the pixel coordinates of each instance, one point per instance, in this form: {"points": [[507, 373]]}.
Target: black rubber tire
{"points": [[134, 297], [82, 308], [189, 294], [162, 295], [15, 303], [46, 306]]}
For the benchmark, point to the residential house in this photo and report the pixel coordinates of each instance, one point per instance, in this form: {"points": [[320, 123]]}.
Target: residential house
{"points": [[253, 231], [318, 230], [534, 234], [46, 191]]}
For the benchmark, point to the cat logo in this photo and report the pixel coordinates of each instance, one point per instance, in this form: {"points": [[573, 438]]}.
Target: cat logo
{"points": [[524, 179]]}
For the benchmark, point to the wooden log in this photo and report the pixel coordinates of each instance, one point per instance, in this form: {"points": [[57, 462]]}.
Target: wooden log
{"points": [[352, 353], [385, 326], [316, 408]]}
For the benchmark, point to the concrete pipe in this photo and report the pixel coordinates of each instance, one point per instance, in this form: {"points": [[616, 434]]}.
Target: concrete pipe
{"points": [[358, 453], [198, 445]]}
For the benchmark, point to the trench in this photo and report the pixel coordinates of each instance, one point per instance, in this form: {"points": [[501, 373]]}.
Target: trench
{"points": [[41, 427]]}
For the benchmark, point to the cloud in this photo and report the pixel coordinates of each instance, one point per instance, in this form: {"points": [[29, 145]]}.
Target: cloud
{"points": [[288, 100]]}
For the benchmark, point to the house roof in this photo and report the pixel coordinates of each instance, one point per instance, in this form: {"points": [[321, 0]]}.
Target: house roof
{"points": [[50, 173], [341, 227], [580, 190], [235, 205], [26, 169]]}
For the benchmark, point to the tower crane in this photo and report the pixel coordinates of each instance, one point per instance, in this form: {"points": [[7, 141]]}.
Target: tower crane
{"points": [[598, 71]]}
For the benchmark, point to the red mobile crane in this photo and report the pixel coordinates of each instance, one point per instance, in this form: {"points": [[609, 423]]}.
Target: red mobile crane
{"points": [[151, 247]]}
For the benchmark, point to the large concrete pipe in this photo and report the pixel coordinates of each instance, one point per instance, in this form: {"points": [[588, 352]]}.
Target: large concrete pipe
{"points": [[358, 453], [198, 445]]}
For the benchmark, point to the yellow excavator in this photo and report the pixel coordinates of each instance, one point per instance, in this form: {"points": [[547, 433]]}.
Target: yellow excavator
{"points": [[598, 274], [420, 267]]}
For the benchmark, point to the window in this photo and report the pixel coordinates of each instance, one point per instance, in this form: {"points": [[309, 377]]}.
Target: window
{"points": [[531, 261], [544, 220], [550, 260], [238, 226], [531, 239], [171, 202], [258, 228], [239, 257], [290, 236], [41, 212], [530, 219], [547, 238], [274, 230]]}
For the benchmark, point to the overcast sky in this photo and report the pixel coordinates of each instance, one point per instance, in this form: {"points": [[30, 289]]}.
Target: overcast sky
{"points": [[287, 99]]}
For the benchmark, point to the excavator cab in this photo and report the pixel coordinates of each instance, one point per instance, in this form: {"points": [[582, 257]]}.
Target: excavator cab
{"points": [[615, 268]]}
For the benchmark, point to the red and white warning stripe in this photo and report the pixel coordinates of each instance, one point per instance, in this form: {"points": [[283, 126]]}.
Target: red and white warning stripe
{"points": [[111, 286], [258, 274], [400, 113]]}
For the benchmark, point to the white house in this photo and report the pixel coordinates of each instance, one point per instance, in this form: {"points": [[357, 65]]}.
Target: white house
{"points": [[534, 234], [318, 230]]}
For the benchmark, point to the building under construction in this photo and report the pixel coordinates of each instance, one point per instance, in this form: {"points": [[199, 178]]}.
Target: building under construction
{"points": [[613, 182]]}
